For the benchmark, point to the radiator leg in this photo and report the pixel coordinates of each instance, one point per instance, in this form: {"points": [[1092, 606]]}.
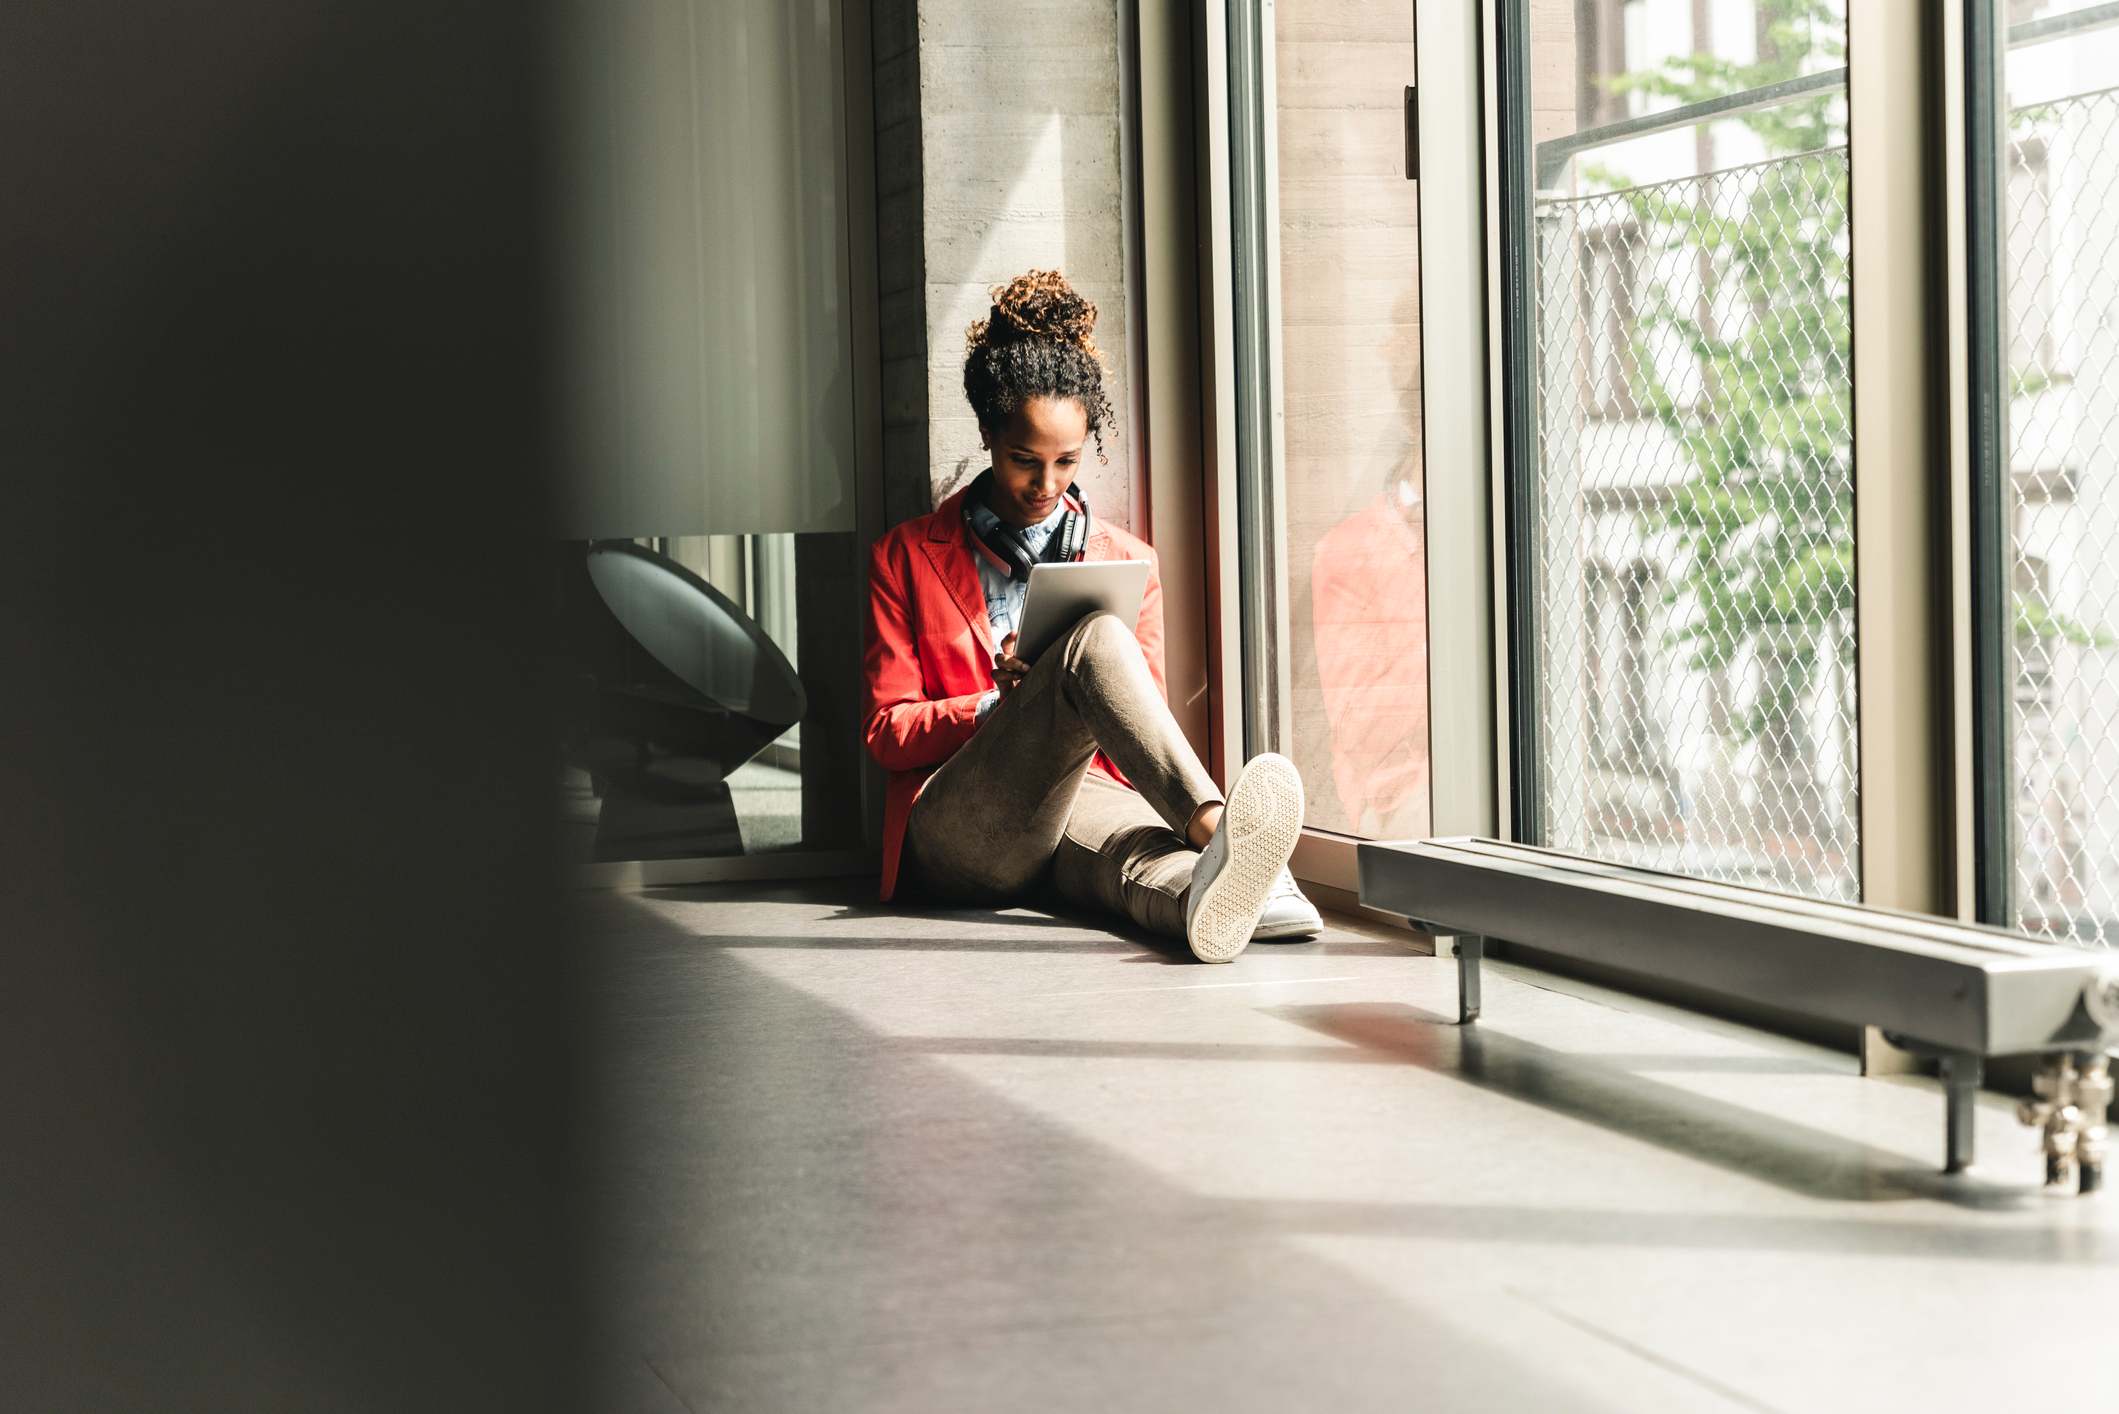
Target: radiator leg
{"points": [[2094, 1095], [1469, 951], [1961, 1074]]}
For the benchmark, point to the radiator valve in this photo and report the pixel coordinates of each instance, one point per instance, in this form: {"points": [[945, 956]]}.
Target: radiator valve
{"points": [[2074, 1096], [2101, 1000]]}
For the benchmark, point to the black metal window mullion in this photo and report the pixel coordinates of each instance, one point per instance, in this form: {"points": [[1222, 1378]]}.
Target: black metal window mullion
{"points": [[1519, 449], [1992, 628]]}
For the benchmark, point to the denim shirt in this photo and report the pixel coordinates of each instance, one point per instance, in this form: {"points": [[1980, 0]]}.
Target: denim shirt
{"points": [[1005, 596]]}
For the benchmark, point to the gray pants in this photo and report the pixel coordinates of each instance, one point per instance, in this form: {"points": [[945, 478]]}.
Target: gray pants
{"points": [[1017, 807]]}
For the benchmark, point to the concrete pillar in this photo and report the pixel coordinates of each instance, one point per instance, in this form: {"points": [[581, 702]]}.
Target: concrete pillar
{"points": [[997, 151]]}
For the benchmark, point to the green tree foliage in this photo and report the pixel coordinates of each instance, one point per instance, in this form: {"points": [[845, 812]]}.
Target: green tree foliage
{"points": [[1742, 352]]}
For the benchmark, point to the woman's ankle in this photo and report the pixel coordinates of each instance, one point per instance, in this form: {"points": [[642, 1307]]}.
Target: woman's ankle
{"points": [[1205, 821]]}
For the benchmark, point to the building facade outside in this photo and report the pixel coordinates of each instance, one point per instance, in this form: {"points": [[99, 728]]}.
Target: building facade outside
{"points": [[1694, 537]]}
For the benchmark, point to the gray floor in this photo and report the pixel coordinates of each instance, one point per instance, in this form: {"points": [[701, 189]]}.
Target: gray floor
{"points": [[860, 1160]]}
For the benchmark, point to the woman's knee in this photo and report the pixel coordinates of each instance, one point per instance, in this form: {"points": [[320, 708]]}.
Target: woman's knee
{"points": [[1098, 635]]}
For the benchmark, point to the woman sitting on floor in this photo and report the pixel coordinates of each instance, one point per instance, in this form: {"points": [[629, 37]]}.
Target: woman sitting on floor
{"points": [[1007, 775]]}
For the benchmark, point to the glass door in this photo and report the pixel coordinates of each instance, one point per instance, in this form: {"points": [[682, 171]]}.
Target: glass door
{"points": [[1331, 479]]}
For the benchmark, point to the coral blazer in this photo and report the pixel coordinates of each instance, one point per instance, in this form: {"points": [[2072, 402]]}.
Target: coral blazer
{"points": [[929, 652]]}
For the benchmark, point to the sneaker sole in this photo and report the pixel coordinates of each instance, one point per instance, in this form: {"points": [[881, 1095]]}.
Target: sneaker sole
{"points": [[1262, 819]]}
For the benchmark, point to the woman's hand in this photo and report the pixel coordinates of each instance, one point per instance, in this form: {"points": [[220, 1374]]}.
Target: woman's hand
{"points": [[1008, 670]]}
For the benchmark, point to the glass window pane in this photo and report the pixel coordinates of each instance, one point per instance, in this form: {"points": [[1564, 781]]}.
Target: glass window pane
{"points": [[2057, 283], [706, 687], [1686, 535], [1355, 555], [706, 650]]}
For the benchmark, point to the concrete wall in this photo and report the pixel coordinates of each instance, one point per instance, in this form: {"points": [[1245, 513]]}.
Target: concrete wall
{"points": [[997, 150], [1553, 92]]}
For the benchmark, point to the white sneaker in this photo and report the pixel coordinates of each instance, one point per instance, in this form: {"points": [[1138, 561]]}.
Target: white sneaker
{"points": [[1237, 871], [1289, 915]]}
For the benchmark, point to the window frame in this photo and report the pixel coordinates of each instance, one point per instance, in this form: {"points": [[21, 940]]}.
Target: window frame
{"points": [[1983, 56], [1926, 672], [1933, 692], [1905, 640], [1451, 82]]}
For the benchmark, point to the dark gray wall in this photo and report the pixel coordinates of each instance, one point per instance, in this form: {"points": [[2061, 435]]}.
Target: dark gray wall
{"points": [[901, 262], [286, 1026]]}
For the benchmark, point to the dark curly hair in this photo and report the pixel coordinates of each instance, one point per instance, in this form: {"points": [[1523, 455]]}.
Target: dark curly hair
{"points": [[1035, 344]]}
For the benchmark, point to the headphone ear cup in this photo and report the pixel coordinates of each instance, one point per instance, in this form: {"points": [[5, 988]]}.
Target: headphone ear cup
{"points": [[993, 554], [1078, 546], [1006, 552]]}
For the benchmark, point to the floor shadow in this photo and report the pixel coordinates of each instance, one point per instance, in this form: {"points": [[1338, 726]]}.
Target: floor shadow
{"points": [[787, 1192], [1798, 1157], [1328, 1055], [1003, 928], [855, 902], [1649, 1062], [1013, 915], [792, 1211], [850, 888], [1055, 1048], [796, 1210], [916, 942], [1048, 913]]}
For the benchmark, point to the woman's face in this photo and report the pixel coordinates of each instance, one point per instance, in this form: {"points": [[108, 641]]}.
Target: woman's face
{"points": [[1035, 454]]}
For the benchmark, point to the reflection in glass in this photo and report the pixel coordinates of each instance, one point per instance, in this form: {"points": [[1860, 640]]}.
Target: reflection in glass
{"points": [[683, 700], [700, 283], [1350, 382]]}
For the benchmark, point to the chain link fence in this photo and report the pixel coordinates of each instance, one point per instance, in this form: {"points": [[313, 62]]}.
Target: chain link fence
{"points": [[2060, 237], [1693, 539]]}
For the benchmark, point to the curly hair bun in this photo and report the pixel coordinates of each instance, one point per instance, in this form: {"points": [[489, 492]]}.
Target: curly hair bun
{"points": [[1035, 344], [1038, 304]]}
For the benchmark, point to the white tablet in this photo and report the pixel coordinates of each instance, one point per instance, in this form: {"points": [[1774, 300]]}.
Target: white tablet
{"points": [[1062, 595]]}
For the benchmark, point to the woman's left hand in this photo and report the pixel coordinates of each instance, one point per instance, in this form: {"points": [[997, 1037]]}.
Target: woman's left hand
{"points": [[1008, 670]]}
